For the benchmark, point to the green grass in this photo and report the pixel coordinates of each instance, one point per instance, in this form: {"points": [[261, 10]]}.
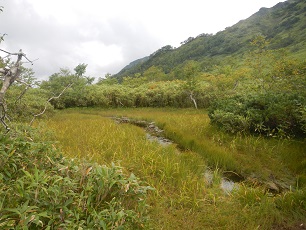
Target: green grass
{"points": [[39, 189], [191, 130], [183, 199]]}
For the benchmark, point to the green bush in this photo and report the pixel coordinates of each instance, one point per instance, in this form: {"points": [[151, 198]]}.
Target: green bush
{"points": [[303, 118], [230, 122], [22, 105], [41, 189], [151, 94], [272, 114]]}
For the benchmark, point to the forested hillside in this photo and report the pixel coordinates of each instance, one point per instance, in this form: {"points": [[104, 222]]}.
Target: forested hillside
{"points": [[284, 25]]}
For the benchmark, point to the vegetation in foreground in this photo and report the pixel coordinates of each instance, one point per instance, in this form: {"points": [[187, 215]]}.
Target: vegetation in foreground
{"points": [[184, 199], [39, 189]]}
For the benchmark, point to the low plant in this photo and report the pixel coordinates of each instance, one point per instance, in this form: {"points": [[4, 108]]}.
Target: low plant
{"points": [[41, 189]]}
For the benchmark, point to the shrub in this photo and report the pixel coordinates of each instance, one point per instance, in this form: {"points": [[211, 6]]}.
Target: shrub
{"points": [[272, 114], [230, 122], [41, 189], [23, 105]]}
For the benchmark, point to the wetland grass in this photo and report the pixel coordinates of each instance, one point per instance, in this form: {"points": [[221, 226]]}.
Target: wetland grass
{"points": [[183, 199]]}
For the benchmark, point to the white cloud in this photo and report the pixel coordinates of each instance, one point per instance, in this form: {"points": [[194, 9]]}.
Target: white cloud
{"points": [[107, 35]]}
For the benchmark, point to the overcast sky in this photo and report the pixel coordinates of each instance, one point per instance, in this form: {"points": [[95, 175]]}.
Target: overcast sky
{"points": [[109, 34]]}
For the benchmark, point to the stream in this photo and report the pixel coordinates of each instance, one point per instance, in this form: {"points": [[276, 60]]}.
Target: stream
{"points": [[229, 180]]}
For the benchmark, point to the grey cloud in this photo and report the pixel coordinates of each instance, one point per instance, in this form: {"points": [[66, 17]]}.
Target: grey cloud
{"points": [[143, 31], [56, 45]]}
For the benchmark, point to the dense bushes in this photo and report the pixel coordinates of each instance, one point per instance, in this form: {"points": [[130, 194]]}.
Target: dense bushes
{"points": [[24, 104], [272, 114], [39, 189], [278, 109], [153, 94]]}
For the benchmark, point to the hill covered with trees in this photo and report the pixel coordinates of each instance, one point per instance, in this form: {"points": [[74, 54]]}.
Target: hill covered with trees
{"points": [[284, 25]]}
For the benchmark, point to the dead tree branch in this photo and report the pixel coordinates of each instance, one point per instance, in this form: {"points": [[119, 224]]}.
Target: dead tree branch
{"points": [[24, 91], [193, 100], [10, 76], [50, 99], [4, 117]]}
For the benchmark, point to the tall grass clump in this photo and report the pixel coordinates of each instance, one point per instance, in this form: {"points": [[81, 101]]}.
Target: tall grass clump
{"points": [[40, 189]]}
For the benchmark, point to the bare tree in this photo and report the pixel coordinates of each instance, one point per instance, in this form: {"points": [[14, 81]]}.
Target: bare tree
{"points": [[9, 76]]}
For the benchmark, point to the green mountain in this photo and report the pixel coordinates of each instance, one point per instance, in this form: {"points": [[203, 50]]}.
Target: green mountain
{"points": [[284, 25], [134, 63]]}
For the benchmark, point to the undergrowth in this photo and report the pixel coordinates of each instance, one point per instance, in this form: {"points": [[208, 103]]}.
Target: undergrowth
{"points": [[40, 189]]}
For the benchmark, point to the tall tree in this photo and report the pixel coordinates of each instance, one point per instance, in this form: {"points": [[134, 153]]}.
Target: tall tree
{"points": [[80, 70]]}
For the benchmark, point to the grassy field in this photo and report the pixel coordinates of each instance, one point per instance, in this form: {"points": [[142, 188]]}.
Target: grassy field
{"points": [[183, 198]]}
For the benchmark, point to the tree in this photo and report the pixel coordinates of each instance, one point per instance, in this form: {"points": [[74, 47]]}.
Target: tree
{"points": [[80, 69], [75, 92], [162, 50], [260, 59], [190, 70], [12, 72], [154, 74], [10, 75], [187, 40]]}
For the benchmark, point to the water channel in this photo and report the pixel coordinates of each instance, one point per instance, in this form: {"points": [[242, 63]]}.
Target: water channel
{"points": [[155, 134]]}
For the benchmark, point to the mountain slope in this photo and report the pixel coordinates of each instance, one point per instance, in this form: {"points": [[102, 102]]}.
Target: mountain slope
{"points": [[284, 25]]}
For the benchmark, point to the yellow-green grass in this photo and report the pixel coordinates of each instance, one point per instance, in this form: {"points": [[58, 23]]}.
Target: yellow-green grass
{"points": [[249, 155], [182, 199]]}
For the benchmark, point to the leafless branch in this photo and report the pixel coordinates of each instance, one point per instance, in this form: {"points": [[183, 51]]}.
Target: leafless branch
{"points": [[193, 100], [3, 117], [24, 91], [20, 54], [10, 75], [2, 36], [50, 99], [5, 51]]}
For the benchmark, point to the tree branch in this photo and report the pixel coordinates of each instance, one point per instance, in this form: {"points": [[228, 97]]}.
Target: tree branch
{"points": [[50, 99], [193, 100], [24, 91], [10, 76], [3, 117]]}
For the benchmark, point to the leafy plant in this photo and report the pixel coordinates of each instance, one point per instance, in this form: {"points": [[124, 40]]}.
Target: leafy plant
{"points": [[270, 114], [41, 189]]}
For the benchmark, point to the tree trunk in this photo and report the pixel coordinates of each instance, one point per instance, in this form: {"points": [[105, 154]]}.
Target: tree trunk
{"points": [[193, 100], [9, 79], [10, 76]]}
